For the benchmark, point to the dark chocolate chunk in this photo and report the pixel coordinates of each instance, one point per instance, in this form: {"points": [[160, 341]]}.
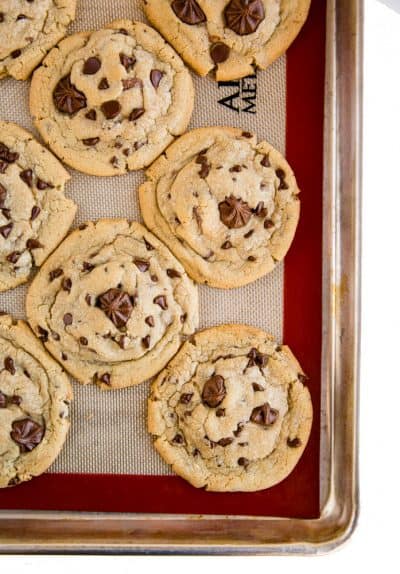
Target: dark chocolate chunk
{"points": [[214, 391], [264, 415], [43, 334], [234, 213], [242, 461], [188, 11], [67, 98], [265, 161], [178, 439], [27, 434], [226, 245], [40, 184], [83, 341], [135, 114], [16, 54], [105, 378], [111, 109], [281, 176], [220, 412], [244, 16], [117, 305]]}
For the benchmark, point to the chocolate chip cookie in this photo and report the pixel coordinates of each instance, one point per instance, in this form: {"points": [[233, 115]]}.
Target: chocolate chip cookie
{"points": [[35, 398], [226, 205], [34, 213], [29, 29], [110, 101], [231, 412], [231, 37], [112, 304]]}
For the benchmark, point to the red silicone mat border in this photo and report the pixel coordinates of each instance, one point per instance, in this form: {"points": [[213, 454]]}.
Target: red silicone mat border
{"points": [[298, 495]]}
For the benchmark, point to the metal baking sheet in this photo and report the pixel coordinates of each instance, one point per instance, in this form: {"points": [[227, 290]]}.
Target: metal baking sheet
{"points": [[47, 515]]}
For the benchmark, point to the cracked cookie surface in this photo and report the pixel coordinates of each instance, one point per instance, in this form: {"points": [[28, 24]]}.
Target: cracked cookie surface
{"points": [[28, 30], [35, 396], [226, 205], [35, 215], [111, 101], [230, 37], [112, 304], [231, 412]]}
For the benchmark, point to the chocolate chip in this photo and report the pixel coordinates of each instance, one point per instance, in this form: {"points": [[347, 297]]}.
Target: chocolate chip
{"points": [[83, 341], [188, 11], [204, 170], [6, 213], [178, 439], [149, 321], [244, 16], [33, 244], [91, 115], [225, 441], [214, 391], [154, 278], [103, 84], [264, 415], [219, 52], [236, 169], [86, 266], [128, 83], [67, 319], [247, 135], [281, 175], [135, 114], [3, 195], [226, 245], [155, 77], [40, 184], [251, 258], [185, 398], [6, 155], [239, 429], [249, 233], [5, 230], [265, 161], [146, 341], [27, 434], [111, 109], [148, 245], [64, 356], [55, 336], [55, 273], [123, 341], [9, 365], [88, 299], [220, 412], [13, 257], [242, 461], [16, 54], [1, 17], [183, 317], [142, 264], [43, 334], [257, 387], [257, 358], [127, 61], [302, 378], [293, 442], [90, 141], [268, 224], [3, 401], [161, 301], [67, 98], [195, 452], [117, 306], [106, 378], [260, 210], [27, 177], [173, 273], [21, 17], [234, 213], [91, 66], [114, 161], [123, 31]]}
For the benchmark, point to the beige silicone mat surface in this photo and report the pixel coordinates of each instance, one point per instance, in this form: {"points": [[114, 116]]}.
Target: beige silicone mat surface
{"points": [[108, 430]]}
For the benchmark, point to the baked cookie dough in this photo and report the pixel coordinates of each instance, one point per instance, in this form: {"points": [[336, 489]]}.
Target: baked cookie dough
{"points": [[225, 205], [231, 412], [231, 37], [112, 304], [34, 213], [28, 30], [35, 397], [111, 101]]}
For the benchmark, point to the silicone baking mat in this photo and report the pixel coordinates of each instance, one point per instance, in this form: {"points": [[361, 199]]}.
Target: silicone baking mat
{"points": [[108, 462]]}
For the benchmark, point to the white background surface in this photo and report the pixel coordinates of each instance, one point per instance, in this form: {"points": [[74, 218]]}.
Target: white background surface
{"points": [[375, 542]]}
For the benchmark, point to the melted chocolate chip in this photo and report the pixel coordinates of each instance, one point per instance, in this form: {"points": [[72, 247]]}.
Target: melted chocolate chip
{"points": [[293, 442], [146, 341], [27, 177], [40, 184], [13, 257], [114, 161], [5, 230], [9, 365], [105, 378], [185, 398], [302, 378], [280, 174], [220, 412], [67, 319], [91, 66], [83, 341], [6, 155], [43, 334], [103, 84], [135, 114], [90, 142], [249, 233], [257, 358], [178, 439], [33, 244], [123, 341], [16, 54], [260, 210], [183, 317], [142, 264], [251, 258], [21, 17], [64, 357], [27, 434], [161, 301], [247, 135], [3, 401], [3, 195], [88, 299], [173, 273], [91, 115], [268, 224], [1, 17], [149, 321], [234, 213], [117, 305], [188, 11], [265, 161], [67, 98], [127, 61], [128, 83], [225, 441], [219, 52], [155, 77], [55, 273], [244, 16], [226, 245], [242, 461], [148, 245], [264, 415], [214, 391], [111, 109], [257, 387], [236, 169]]}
